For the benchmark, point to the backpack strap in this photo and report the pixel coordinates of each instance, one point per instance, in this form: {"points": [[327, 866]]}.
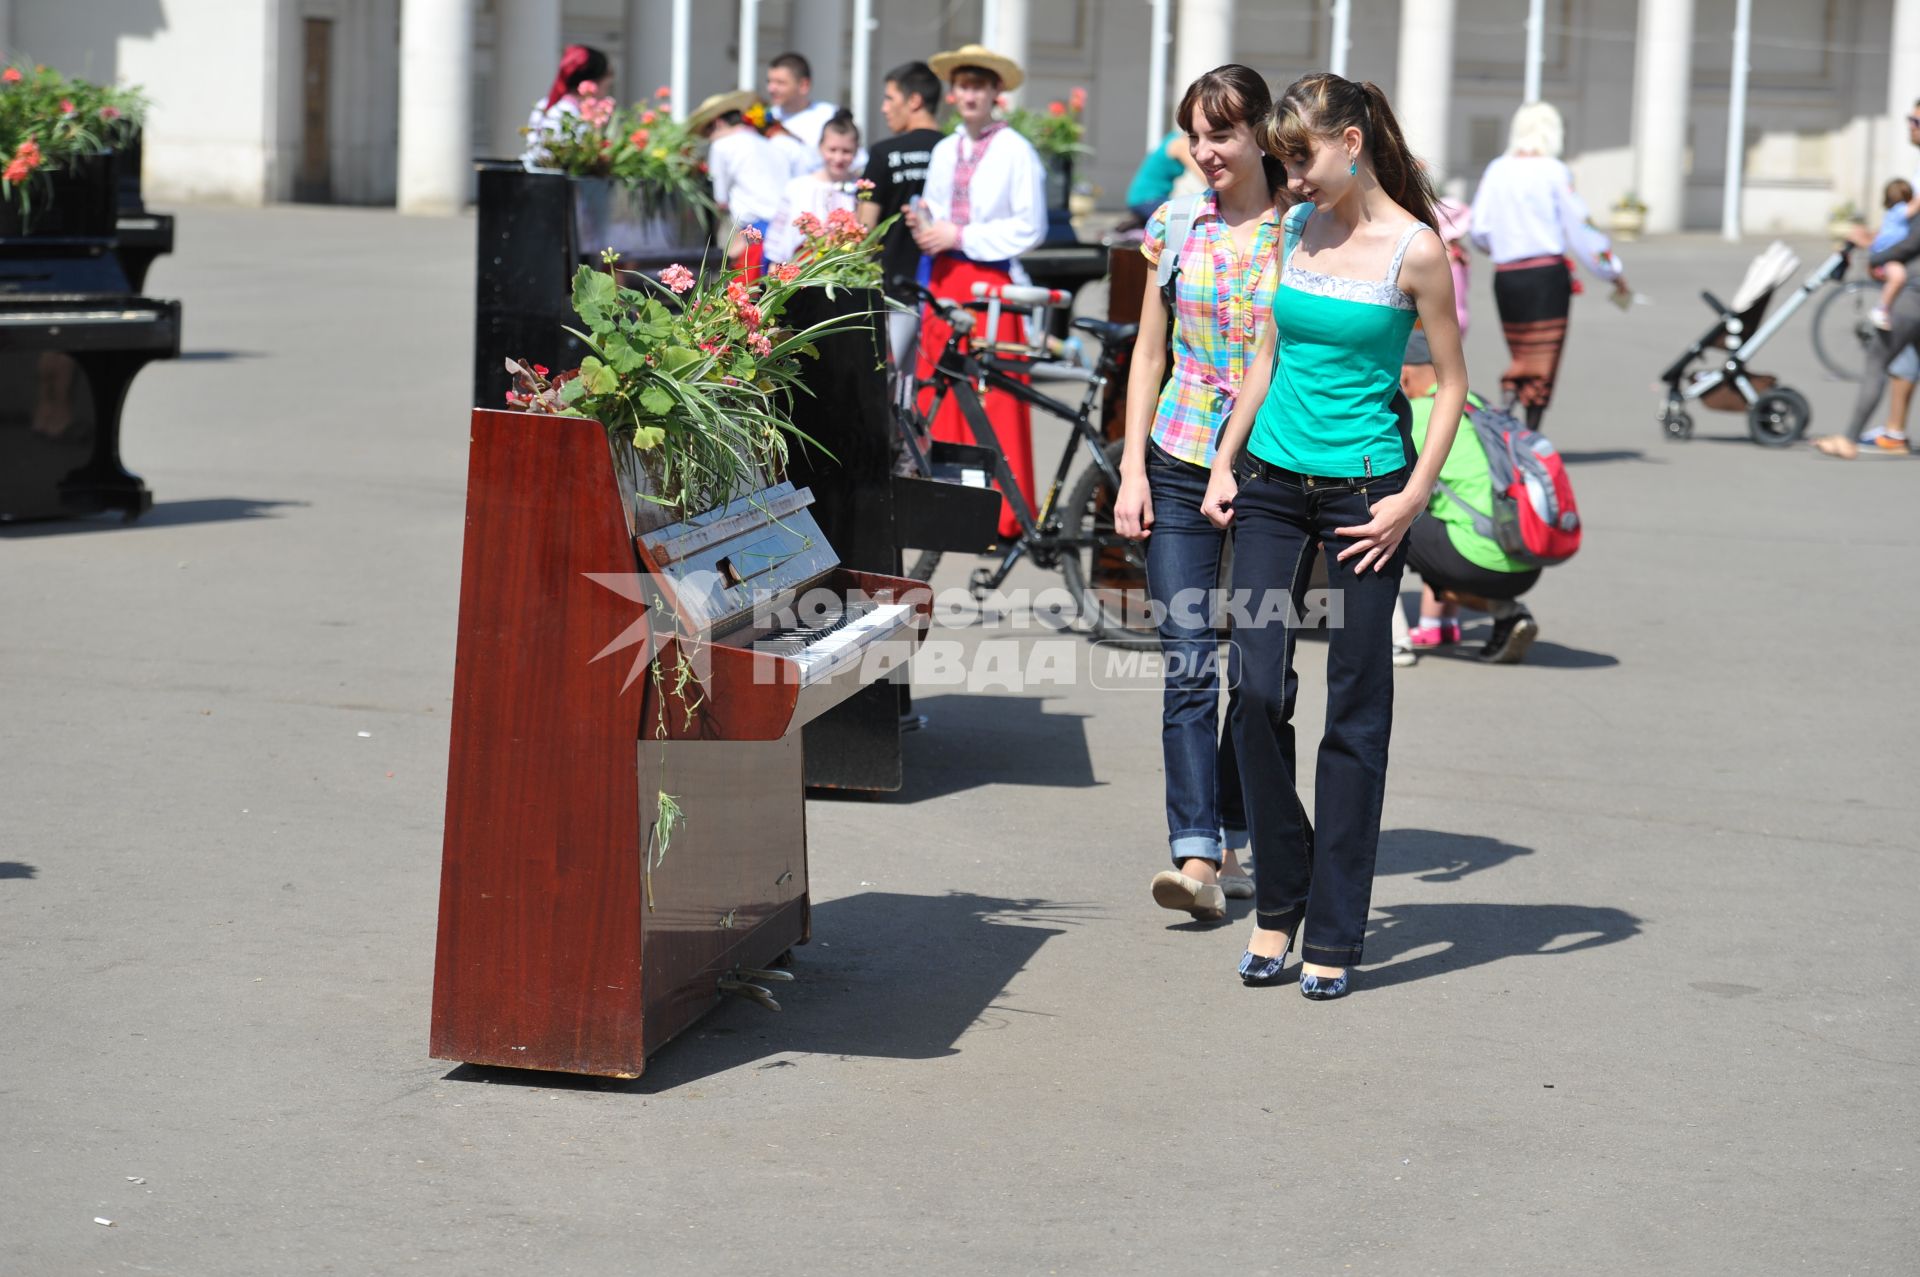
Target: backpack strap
{"points": [[1483, 525], [1180, 219], [1293, 228]]}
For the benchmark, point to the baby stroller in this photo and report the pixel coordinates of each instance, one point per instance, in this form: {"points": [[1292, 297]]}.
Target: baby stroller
{"points": [[1776, 415]]}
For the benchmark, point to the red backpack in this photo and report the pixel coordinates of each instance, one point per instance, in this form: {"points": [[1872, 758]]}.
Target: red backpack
{"points": [[1534, 517]]}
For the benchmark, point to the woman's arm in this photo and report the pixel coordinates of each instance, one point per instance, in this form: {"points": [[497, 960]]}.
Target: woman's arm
{"points": [[1905, 251], [1426, 278], [1217, 505], [1133, 508]]}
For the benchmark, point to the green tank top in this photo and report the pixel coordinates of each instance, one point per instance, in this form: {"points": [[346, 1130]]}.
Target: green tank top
{"points": [[1338, 347]]}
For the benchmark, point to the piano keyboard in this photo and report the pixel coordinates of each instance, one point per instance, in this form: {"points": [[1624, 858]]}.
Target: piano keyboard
{"points": [[823, 650]]}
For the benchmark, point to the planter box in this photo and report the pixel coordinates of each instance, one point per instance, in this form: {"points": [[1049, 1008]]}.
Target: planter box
{"points": [[1627, 223], [80, 202]]}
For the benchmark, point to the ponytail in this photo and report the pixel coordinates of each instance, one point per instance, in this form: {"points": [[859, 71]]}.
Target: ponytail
{"points": [[1401, 175], [1325, 105]]}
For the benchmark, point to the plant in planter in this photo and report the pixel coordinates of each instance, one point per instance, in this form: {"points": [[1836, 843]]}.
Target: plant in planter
{"points": [[1629, 215], [640, 184], [1844, 217], [54, 128]]}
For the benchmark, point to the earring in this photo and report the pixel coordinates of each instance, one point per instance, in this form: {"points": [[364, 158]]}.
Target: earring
{"points": [[1353, 168]]}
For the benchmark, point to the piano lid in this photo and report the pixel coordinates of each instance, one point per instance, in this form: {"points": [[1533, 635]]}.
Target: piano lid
{"points": [[758, 549]]}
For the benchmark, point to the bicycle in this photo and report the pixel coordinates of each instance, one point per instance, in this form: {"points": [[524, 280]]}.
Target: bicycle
{"points": [[1072, 535], [1843, 327]]}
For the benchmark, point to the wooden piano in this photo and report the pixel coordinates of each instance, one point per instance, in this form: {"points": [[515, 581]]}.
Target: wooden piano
{"points": [[582, 922], [72, 336]]}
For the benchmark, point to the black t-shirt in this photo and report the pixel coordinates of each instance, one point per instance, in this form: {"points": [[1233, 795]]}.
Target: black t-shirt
{"points": [[897, 168]]}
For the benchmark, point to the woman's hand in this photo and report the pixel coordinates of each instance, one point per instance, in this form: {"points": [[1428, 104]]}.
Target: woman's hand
{"points": [[1217, 505], [1133, 508], [1861, 237], [1376, 539]]}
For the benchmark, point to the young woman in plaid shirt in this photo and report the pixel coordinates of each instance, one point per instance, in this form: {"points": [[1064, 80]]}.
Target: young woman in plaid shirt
{"points": [[1222, 291]]}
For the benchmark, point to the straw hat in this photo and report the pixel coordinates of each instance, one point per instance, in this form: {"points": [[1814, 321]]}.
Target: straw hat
{"points": [[978, 55], [717, 105]]}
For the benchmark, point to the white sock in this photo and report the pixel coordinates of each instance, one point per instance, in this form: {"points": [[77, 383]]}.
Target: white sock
{"points": [[1430, 622], [1893, 434]]}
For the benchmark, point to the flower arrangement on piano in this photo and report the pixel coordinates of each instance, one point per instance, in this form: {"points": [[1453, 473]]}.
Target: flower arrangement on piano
{"points": [[694, 372], [840, 250], [641, 145], [48, 122]]}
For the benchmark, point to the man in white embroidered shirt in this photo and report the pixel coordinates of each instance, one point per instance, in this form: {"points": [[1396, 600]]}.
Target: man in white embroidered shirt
{"points": [[985, 204]]}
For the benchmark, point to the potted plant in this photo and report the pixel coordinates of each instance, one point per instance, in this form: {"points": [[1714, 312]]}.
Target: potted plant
{"points": [[692, 375], [1629, 216], [57, 136], [639, 185], [1843, 219]]}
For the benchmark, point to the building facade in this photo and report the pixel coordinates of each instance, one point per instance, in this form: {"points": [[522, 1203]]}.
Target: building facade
{"points": [[385, 101]]}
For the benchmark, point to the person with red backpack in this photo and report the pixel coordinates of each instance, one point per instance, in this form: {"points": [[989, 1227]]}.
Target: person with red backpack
{"points": [[1476, 547]]}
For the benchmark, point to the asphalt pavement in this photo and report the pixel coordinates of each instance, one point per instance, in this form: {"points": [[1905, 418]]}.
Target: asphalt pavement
{"points": [[1639, 994]]}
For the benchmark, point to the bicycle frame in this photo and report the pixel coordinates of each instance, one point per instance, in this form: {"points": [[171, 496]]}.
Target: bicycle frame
{"points": [[965, 375]]}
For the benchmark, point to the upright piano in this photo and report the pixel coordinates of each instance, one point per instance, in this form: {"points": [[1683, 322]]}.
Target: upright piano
{"points": [[73, 333], [626, 828]]}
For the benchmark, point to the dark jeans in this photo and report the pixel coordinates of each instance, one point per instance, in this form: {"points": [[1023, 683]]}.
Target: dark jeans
{"points": [[1183, 566], [1886, 347], [1322, 878]]}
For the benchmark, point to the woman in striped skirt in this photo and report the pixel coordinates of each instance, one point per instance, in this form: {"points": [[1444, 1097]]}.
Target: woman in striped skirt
{"points": [[1527, 217]]}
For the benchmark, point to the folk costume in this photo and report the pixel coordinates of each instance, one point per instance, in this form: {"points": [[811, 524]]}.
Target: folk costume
{"points": [[994, 189]]}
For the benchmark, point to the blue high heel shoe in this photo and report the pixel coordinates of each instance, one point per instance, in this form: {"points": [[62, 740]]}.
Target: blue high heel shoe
{"points": [[1325, 988], [1257, 972]]}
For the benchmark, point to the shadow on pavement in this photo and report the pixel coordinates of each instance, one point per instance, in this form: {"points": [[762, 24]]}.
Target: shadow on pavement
{"points": [[1434, 855], [1548, 655], [886, 975], [163, 514], [15, 869], [970, 741], [214, 356], [1476, 934], [1601, 456]]}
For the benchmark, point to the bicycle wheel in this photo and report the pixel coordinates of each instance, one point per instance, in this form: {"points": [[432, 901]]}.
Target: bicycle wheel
{"points": [[1842, 328], [1105, 574]]}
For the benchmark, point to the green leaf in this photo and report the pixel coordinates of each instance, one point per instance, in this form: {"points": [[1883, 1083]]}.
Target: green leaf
{"points": [[573, 391], [599, 379], [656, 400], [678, 358], [596, 297]]}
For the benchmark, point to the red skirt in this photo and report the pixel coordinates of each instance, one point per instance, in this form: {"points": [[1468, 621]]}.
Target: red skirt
{"points": [[953, 279]]}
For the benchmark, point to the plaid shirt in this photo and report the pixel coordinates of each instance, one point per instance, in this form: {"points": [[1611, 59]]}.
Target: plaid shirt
{"points": [[1220, 301]]}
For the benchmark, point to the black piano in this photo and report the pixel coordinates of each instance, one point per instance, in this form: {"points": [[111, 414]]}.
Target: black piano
{"points": [[139, 235], [73, 332], [536, 230]]}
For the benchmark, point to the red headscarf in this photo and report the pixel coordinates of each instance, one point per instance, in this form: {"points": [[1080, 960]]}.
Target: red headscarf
{"points": [[572, 63]]}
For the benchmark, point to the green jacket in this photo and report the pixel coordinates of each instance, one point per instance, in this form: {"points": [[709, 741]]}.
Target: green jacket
{"points": [[1465, 471]]}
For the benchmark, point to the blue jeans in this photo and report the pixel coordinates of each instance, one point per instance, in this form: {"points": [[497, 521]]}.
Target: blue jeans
{"points": [[1204, 811], [1323, 879]]}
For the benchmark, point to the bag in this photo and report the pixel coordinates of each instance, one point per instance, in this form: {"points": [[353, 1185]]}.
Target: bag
{"points": [[1534, 518]]}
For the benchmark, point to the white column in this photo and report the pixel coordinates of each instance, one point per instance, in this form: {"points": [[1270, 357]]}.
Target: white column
{"points": [[1662, 69], [6, 28], [1003, 28], [861, 76], [436, 96], [1536, 38], [646, 49], [1423, 82], [749, 77], [1157, 44], [526, 52], [1340, 42], [1736, 124], [1203, 40], [1903, 89], [817, 31], [679, 54]]}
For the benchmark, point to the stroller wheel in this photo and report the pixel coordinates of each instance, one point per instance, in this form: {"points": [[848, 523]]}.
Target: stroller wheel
{"points": [[1677, 424], [1778, 417]]}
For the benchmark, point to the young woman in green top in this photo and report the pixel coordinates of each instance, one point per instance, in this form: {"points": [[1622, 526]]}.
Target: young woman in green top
{"points": [[1316, 455]]}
